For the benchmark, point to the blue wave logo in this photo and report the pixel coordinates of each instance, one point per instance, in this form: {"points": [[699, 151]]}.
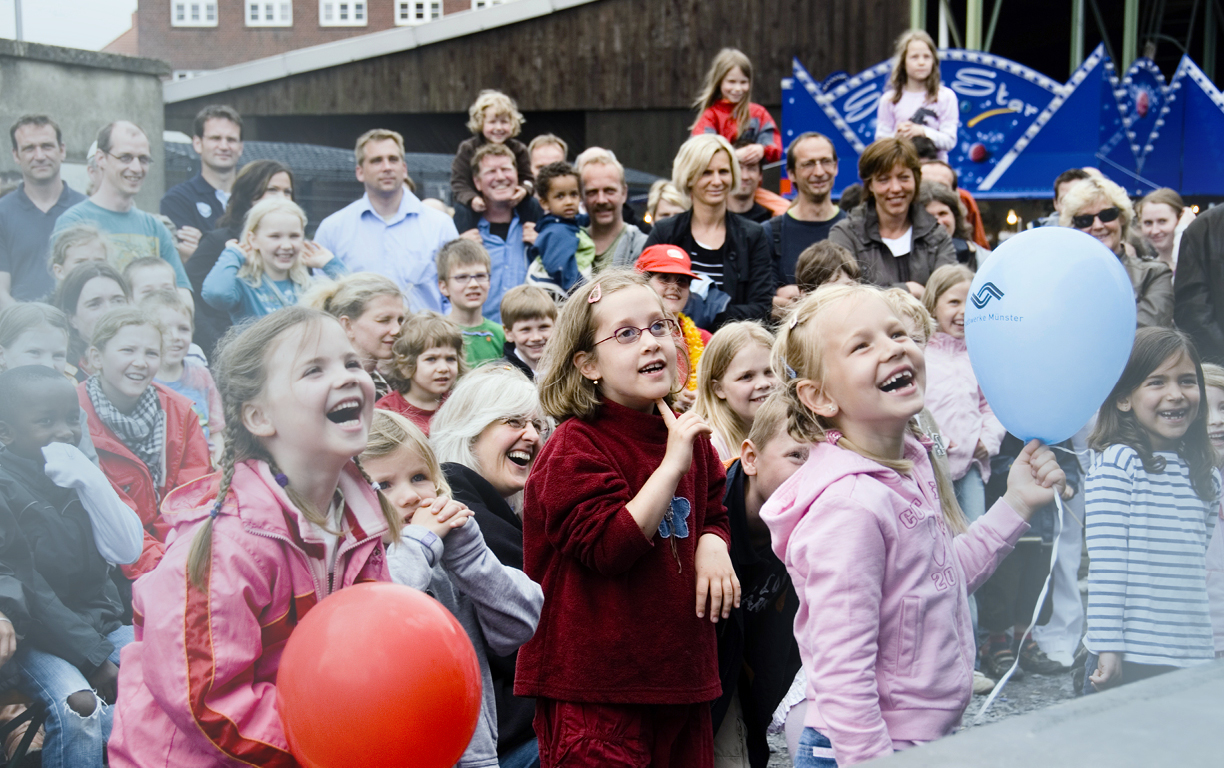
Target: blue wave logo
{"points": [[985, 294]]}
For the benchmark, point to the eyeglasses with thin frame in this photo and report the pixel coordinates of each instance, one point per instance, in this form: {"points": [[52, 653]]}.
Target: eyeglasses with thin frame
{"points": [[630, 335], [125, 159], [823, 162], [1084, 220], [480, 278], [519, 424]]}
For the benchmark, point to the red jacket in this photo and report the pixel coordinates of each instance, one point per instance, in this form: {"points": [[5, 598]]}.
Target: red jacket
{"points": [[619, 623], [187, 459], [394, 401], [761, 128]]}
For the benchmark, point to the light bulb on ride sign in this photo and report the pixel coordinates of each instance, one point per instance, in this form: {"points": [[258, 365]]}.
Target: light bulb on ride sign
{"points": [[1012, 218]]}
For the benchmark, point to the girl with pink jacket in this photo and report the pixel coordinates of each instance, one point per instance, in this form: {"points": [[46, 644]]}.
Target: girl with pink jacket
{"points": [[970, 429], [289, 519], [871, 534]]}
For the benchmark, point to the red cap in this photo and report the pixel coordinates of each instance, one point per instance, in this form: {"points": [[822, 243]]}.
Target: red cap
{"points": [[666, 259]]}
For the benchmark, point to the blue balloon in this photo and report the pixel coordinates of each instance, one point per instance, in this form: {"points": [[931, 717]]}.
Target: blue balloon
{"points": [[1049, 322]]}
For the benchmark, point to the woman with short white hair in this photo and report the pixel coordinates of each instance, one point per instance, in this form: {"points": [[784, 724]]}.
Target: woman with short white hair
{"points": [[1102, 209], [487, 435], [732, 251]]}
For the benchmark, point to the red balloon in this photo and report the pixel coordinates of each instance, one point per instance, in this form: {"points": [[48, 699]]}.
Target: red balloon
{"points": [[378, 675]]}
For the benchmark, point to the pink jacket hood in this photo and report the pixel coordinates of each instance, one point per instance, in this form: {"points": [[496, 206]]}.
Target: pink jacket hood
{"points": [[960, 409], [198, 685], [883, 624]]}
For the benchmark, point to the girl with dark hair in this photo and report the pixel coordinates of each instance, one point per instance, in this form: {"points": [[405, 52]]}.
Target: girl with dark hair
{"points": [[86, 294], [1151, 495], [258, 180]]}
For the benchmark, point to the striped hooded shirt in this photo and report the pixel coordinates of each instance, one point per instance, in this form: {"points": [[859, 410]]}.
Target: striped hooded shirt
{"points": [[1147, 538]]}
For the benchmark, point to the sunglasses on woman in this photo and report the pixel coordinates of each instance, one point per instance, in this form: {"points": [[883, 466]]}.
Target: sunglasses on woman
{"points": [[1084, 220]]}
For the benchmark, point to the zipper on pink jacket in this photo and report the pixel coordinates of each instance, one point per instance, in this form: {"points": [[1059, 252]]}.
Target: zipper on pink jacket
{"points": [[344, 548]]}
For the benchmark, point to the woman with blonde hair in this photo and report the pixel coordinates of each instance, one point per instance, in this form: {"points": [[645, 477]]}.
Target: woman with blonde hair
{"points": [[1102, 209], [664, 201], [270, 267], [371, 309], [733, 253], [727, 110], [1163, 217], [916, 103]]}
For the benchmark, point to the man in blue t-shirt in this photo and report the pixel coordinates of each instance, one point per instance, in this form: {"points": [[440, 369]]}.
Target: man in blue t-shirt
{"points": [[28, 213], [195, 205], [123, 159]]}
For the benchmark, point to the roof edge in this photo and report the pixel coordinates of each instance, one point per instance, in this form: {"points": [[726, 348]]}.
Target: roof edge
{"points": [[361, 47], [79, 57]]}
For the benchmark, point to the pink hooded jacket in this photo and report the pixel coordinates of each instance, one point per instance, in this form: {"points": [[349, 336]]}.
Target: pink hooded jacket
{"points": [[198, 686], [883, 625], [960, 409]]}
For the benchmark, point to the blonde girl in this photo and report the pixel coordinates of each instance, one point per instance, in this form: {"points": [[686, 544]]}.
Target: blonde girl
{"points": [[626, 526], [372, 310], [726, 108], [664, 201], [493, 118], [76, 245], [868, 529], [916, 103], [271, 266], [444, 553], [733, 380], [289, 519]]}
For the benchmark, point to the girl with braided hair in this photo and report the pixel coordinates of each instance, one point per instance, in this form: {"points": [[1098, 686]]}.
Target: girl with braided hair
{"points": [[290, 518]]}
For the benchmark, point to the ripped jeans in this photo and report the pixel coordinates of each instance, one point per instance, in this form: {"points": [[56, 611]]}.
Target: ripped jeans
{"points": [[71, 741]]}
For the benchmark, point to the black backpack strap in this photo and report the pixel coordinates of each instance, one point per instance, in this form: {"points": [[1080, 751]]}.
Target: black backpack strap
{"points": [[775, 225]]}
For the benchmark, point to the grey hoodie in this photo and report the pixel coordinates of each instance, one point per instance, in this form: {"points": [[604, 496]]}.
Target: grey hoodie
{"points": [[494, 603]]}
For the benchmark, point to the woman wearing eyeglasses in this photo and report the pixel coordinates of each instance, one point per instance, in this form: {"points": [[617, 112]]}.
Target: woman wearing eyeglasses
{"points": [[1101, 208], [486, 436]]}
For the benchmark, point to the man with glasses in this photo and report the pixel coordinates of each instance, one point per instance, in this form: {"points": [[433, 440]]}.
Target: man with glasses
{"points": [[123, 159], [28, 214], [195, 205], [811, 164], [389, 231]]}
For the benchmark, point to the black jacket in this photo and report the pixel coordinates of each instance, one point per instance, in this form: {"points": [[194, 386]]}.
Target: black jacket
{"points": [[516, 361], [1199, 288], [503, 532], [72, 601], [210, 323], [748, 273], [758, 657]]}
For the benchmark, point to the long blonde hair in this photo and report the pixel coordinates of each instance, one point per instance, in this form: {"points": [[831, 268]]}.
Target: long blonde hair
{"points": [[348, 296], [798, 356], [252, 271], [711, 88], [241, 374], [722, 348], [939, 283], [900, 77], [390, 431], [564, 391]]}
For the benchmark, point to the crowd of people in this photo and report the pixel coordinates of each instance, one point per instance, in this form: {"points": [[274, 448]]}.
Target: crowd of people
{"points": [[682, 485]]}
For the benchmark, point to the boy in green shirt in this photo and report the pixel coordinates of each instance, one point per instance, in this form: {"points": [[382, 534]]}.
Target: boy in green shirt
{"points": [[463, 278]]}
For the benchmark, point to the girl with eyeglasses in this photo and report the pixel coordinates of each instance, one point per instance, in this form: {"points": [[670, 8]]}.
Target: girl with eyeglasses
{"points": [[624, 527], [1101, 208]]}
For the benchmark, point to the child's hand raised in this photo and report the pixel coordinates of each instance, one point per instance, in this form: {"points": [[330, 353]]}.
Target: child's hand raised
{"points": [[520, 194], [1034, 479], [314, 255], [717, 583], [681, 431], [440, 515], [478, 204]]}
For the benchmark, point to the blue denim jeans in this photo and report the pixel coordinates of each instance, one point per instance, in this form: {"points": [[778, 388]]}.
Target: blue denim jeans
{"points": [[71, 741], [815, 750], [524, 756], [971, 493]]}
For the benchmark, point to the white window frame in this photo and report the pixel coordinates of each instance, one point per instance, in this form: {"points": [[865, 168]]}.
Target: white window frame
{"points": [[344, 13], [478, 4], [282, 13], [199, 9], [418, 12]]}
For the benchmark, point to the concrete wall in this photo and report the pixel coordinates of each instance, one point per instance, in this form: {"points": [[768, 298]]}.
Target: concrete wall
{"points": [[82, 91]]}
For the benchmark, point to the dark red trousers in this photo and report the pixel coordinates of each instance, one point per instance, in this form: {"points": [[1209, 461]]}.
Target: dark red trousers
{"points": [[574, 735]]}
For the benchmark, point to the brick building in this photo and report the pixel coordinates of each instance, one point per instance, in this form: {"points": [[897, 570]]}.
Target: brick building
{"points": [[197, 36]]}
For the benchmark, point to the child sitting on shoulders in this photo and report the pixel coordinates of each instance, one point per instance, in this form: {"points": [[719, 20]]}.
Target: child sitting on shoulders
{"points": [[463, 278], [493, 119], [1151, 499], [734, 378], [63, 524], [428, 360], [727, 109], [528, 315], [626, 526], [270, 268], [868, 531], [566, 250], [179, 371], [443, 552]]}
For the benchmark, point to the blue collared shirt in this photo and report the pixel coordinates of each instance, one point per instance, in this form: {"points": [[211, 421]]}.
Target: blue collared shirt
{"points": [[509, 263], [402, 249]]}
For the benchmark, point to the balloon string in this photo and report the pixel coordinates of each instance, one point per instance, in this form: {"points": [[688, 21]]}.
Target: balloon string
{"points": [[1045, 588]]}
